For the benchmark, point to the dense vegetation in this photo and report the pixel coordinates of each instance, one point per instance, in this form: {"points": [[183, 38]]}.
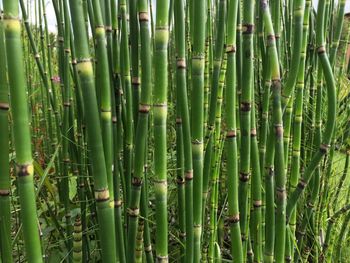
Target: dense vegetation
{"points": [[174, 130]]}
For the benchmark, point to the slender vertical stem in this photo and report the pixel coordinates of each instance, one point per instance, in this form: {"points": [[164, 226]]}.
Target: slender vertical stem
{"points": [[21, 130], [161, 39], [93, 128], [5, 183], [197, 105]]}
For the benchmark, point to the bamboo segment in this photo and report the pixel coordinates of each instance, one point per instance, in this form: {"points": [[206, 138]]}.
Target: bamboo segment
{"points": [[161, 39], [5, 183], [21, 130], [85, 72], [197, 68]]}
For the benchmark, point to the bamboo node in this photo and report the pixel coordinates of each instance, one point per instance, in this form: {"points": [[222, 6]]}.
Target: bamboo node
{"points": [[102, 195], [198, 57], [253, 132], [230, 49], [189, 175], [276, 84], [288, 259], [66, 104], [231, 134], [321, 50], [133, 212], [12, 23], [244, 177], [278, 129], [181, 63], [143, 16], [257, 203], [4, 106], [324, 148], [161, 259], [302, 184], [270, 170], [296, 153], [245, 106], [117, 203], [160, 105], [178, 120], [4, 192], [298, 118], [148, 248], [144, 108], [135, 81], [24, 169], [310, 205], [247, 28], [37, 56], [234, 219], [161, 182], [84, 66], [281, 192], [197, 142], [271, 38], [180, 180], [136, 181]]}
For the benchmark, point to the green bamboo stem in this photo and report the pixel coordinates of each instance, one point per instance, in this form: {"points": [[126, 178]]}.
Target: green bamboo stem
{"points": [[287, 122], [37, 55], [66, 129], [341, 180], [21, 130], [337, 34], [340, 240], [331, 112], [161, 39], [93, 128], [141, 130], [280, 220], [181, 88], [77, 241], [298, 17], [256, 224], [102, 83], [231, 135], [134, 48], [197, 104], [215, 165], [245, 118], [145, 218], [308, 223], [5, 183], [139, 242], [208, 63], [117, 133], [329, 230], [126, 83], [297, 123], [214, 248], [217, 61]]}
